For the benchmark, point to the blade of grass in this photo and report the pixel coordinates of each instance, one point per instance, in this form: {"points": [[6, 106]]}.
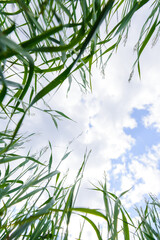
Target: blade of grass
{"points": [[94, 226]]}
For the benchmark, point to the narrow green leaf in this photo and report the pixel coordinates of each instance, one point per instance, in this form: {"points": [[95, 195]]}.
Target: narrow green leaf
{"points": [[66, 155], [9, 30], [27, 196], [96, 26], [125, 226], [3, 91], [94, 226], [64, 8], [39, 70], [62, 114], [48, 176], [50, 159], [151, 230], [148, 237], [147, 38], [53, 84], [90, 211], [141, 3], [127, 18], [115, 218], [20, 50], [18, 157]]}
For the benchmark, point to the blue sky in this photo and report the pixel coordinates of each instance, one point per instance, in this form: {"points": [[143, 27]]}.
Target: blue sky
{"points": [[145, 137]]}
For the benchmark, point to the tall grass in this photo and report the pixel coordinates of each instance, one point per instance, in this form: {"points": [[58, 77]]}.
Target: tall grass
{"points": [[42, 44]]}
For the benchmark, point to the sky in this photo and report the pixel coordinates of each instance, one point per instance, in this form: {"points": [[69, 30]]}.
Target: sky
{"points": [[119, 121]]}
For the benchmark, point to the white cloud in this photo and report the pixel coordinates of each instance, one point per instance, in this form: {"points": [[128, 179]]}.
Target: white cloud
{"points": [[153, 118], [143, 175]]}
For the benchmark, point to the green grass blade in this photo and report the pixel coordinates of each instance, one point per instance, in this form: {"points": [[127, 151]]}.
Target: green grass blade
{"points": [[96, 26], [115, 219], [94, 227], [53, 84], [125, 226], [27, 196], [14, 157], [64, 9], [9, 29], [50, 159], [147, 38], [127, 18], [90, 211]]}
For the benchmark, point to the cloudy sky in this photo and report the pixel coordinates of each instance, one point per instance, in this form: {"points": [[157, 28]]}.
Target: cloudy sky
{"points": [[119, 121]]}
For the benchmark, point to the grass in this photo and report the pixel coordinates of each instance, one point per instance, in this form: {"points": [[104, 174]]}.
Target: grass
{"points": [[42, 44]]}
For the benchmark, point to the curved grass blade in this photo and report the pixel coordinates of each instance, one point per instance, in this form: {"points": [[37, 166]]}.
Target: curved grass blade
{"points": [[90, 211], [94, 227], [39, 70], [16, 48]]}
